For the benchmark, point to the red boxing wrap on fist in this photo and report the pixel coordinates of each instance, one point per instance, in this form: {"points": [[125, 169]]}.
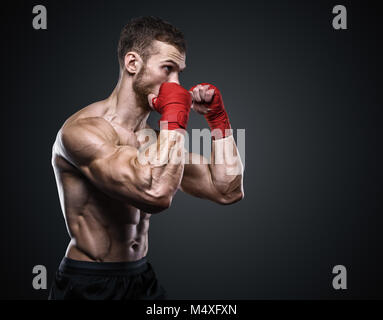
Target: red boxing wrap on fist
{"points": [[173, 103], [217, 117]]}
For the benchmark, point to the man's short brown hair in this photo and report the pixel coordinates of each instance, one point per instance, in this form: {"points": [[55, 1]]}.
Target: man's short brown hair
{"points": [[140, 32]]}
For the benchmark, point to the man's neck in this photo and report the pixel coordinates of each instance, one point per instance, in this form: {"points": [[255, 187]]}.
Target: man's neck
{"points": [[125, 108]]}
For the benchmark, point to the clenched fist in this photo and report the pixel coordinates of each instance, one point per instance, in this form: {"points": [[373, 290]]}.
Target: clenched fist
{"points": [[207, 100]]}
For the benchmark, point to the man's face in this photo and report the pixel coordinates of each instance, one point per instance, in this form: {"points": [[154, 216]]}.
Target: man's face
{"points": [[163, 66]]}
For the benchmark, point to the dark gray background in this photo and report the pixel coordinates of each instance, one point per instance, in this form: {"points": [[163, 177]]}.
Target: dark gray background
{"points": [[308, 97]]}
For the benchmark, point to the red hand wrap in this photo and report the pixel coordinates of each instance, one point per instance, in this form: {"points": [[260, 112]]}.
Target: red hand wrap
{"points": [[173, 103], [217, 117]]}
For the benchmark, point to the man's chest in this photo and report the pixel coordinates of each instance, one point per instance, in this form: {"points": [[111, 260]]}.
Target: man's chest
{"points": [[127, 137]]}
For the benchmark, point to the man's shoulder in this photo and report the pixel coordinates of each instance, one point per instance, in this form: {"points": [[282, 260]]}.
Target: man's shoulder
{"points": [[88, 120], [83, 138], [87, 115], [84, 129], [93, 124], [87, 130]]}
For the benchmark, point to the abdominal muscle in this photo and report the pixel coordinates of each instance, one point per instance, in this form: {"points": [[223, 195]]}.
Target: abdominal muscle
{"points": [[127, 242], [102, 229]]}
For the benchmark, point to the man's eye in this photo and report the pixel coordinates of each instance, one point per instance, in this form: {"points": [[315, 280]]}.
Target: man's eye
{"points": [[168, 68]]}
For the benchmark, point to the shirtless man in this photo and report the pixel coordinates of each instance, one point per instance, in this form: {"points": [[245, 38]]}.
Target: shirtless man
{"points": [[106, 194]]}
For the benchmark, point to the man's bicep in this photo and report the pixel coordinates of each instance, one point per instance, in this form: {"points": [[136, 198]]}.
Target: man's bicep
{"points": [[119, 174], [92, 146]]}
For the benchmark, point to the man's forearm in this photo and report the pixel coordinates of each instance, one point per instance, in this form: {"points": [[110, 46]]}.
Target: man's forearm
{"points": [[226, 167], [221, 179], [166, 161]]}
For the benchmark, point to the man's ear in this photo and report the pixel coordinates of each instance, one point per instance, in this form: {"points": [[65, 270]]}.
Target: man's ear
{"points": [[133, 62]]}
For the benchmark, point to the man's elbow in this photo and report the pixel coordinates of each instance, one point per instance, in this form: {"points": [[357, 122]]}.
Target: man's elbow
{"points": [[161, 204], [231, 198], [160, 200]]}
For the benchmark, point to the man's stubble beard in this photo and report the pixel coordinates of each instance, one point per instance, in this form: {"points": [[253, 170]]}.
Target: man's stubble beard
{"points": [[142, 89]]}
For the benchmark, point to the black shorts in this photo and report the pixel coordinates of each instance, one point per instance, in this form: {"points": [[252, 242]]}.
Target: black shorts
{"points": [[82, 280]]}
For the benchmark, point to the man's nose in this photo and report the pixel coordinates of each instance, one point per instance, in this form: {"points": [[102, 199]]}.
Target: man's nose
{"points": [[174, 78]]}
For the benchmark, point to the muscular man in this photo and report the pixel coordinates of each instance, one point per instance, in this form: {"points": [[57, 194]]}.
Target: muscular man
{"points": [[107, 193]]}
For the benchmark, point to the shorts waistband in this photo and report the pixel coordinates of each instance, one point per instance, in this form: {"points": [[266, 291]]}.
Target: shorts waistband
{"points": [[70, 266]]}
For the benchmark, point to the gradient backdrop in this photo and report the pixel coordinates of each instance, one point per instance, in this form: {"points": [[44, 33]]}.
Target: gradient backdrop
{"points": [[308, 96]]}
